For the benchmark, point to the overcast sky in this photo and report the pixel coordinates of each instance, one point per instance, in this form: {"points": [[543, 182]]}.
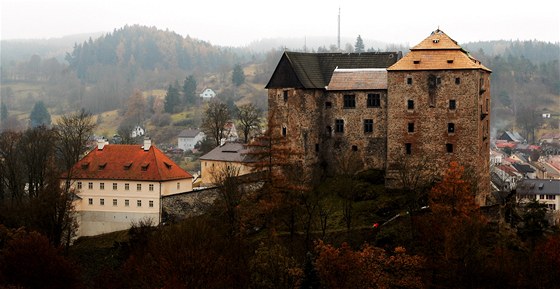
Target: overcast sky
{"points": [[237, 23]]}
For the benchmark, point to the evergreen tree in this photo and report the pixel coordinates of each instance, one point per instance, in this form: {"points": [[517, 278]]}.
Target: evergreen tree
{"points": [[3, 112], [189, 90], [39, 115], [359, 47], [171, 99], [238, 77]]}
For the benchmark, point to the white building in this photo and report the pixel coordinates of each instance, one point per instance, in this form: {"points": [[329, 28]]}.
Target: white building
{"points": [[207, 94], [188, 138], [545, 191], [137, 131], [118, 184]]}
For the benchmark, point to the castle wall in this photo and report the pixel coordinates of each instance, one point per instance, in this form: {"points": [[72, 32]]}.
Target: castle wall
{"points": [[442, 132]]}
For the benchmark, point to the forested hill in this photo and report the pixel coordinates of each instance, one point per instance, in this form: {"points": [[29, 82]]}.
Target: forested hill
{"points": [[147, 48], [532, 50]]}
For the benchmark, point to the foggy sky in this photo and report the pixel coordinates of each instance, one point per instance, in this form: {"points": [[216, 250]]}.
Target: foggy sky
{"points": [[237, 23]]}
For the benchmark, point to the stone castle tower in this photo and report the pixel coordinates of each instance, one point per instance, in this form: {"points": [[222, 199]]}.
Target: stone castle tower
{"points": [[354, 111]]}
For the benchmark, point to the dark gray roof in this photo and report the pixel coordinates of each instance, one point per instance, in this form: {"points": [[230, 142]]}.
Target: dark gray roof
{"points": [[523, 168], [314, 70], [190, 133], [538, 187], [229, 152]]}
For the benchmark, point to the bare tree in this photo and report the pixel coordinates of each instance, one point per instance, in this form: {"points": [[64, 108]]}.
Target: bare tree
{"points": [[215, 119], [73, 132], [249, 117]]}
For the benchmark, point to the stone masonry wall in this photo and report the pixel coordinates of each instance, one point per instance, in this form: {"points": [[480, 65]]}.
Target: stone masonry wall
{"points": [[436, 124]]}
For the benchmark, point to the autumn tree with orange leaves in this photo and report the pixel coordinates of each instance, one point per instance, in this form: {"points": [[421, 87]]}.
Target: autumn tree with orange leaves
{"points": [[370, 267]]}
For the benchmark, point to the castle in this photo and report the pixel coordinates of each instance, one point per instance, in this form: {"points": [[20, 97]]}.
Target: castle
{"points": [[378, 110]]}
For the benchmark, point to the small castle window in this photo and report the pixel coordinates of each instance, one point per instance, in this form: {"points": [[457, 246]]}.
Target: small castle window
{"points": [[416, 61], [373, 100], [328, 104], [457, 80], [449, 60], [368, 125], [339, 126], [410, 104], [284, 132], [449, 147], [349, 101], [316, 147], [450, 127], [354, 148], [409, 80], [410, 127], [285, 95], [408, 148], [452, 104]]}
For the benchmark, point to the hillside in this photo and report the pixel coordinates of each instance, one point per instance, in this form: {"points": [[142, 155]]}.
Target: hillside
{"points": [[101, 73]]}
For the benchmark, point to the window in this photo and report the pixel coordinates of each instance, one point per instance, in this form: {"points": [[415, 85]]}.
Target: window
{"points": [[449, 147], [438, 80], [101, 186], [551, 197], [354, 148], [284, 131], [373, 100], [339, 125], [126, 187], [368, 125], [410, 127], [551, 206], [409, 80], [329, 130], [178, 185], [79, 185], [126, 203], [328, 104], [90, 185], [139, 203], [349, 101], [151, 187], [541, 197], [316, 147], [457, 80], [115, 202], [410, 104], [285, 95], [151, 204], [90, 201], [114, 186], [102, 202], [450, 127], [408, 148], [138, 187], [452, 104]]}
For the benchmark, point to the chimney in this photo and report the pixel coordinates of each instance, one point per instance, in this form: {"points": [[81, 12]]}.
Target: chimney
{"points": [[100, 144], [147, 143]]}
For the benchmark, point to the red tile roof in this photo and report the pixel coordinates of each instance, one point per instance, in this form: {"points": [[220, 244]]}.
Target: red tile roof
{"points": [[128, 162], [358, 79]]}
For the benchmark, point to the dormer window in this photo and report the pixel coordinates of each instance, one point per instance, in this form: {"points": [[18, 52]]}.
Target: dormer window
{"points": [[102, 166], [167, 165], [85, 166], [127, 166], [416, 61], [145, 166], [449, 60], [435, 40]]}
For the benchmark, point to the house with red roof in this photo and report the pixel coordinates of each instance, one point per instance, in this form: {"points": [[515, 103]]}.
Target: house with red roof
{"points": [[117, 185]]}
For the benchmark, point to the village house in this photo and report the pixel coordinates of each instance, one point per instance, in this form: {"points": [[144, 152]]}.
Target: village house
{"points": [[545, 191], [188, 138], [378, 109], [117, 185], [207, 94], [229, 155]]}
